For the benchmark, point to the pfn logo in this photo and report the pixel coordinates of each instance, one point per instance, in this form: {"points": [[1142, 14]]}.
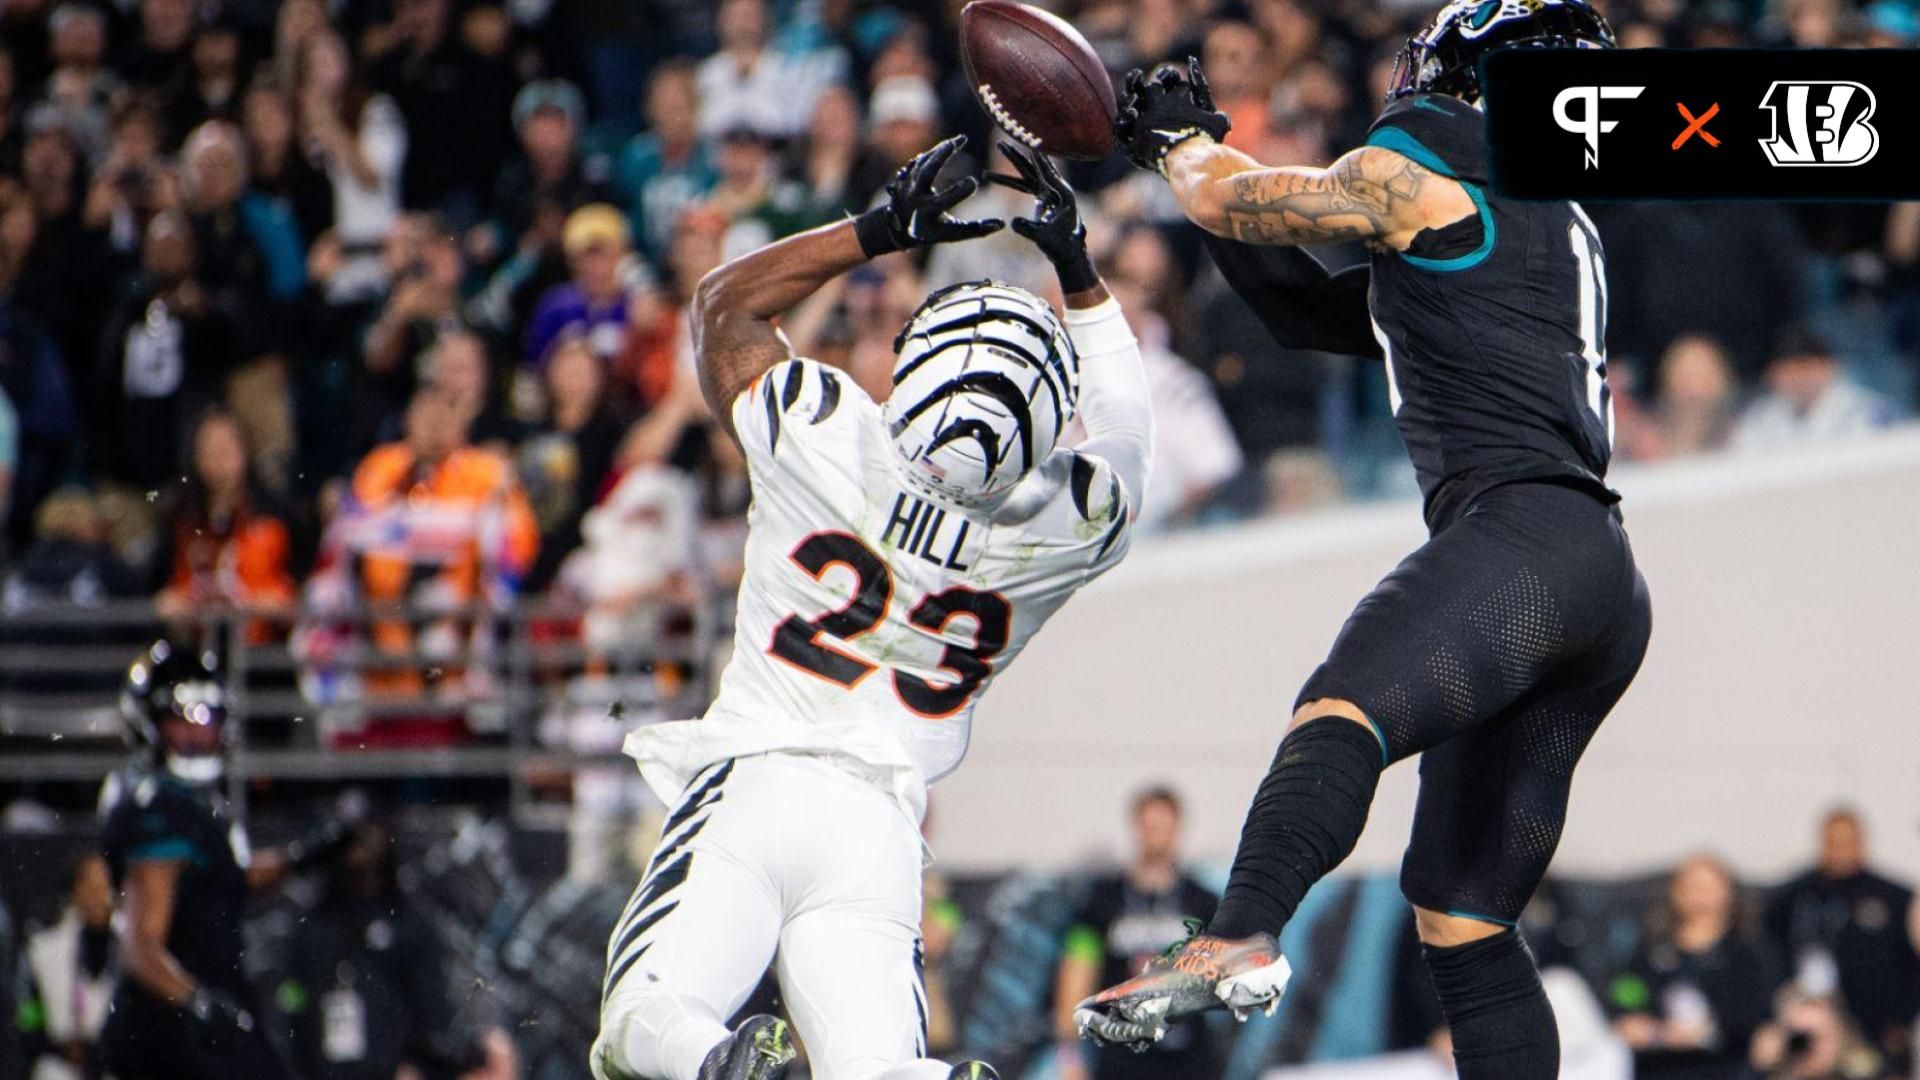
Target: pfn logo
{"points": [[1588, 124], [1820, 123]]}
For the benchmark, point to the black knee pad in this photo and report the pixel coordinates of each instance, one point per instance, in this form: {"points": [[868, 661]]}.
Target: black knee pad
{"points": [[1496, 1009]]}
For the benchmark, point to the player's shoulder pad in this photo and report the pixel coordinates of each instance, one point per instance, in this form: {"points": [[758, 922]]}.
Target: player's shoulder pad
{"points": [[1442, 133], [793, 392]]}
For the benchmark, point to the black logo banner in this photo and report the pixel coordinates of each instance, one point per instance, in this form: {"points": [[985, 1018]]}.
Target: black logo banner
{"points": [[1704, 123]]}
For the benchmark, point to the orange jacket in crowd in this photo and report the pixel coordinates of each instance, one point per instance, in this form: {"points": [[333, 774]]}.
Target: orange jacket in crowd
{"points": [[442, 537], [245, 566], [467, 516]]}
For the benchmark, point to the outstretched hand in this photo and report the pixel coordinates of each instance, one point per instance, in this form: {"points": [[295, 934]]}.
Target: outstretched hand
{"points": [[1161, 111], [1055, 227], [916, 213]]}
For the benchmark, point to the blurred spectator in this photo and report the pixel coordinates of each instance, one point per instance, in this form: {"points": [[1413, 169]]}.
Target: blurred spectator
{"points": [[32, 379], [593, 304], [360, 139], [1700, 985], [566, 462], [212, 88], [666, 168], [1194, 450], [1698, 397], [439, 525], [1812, 1038], [171, 343], [228, 242], [659, 346], [750, 84], [1844, 927], [460, 366], [69, 972], [1125, 921], [1241, 75], [70, 561], [367, 978], [831, 154], [455, 101], [759, 204], [157, 59], [226, 547], [422, 260], [282, 172], [903, 118], [1735, 272], [548, 117], [1809, 399]]}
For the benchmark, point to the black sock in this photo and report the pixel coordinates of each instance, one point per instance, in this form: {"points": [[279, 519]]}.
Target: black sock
{"points": [[1496, 1009], [1305, 818]]}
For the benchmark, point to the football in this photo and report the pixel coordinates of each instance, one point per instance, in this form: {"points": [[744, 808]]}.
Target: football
{"points": [[1038, 78]]}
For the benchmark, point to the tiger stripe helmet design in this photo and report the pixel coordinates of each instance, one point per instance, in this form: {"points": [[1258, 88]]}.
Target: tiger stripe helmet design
{"points": [[984, 381]]}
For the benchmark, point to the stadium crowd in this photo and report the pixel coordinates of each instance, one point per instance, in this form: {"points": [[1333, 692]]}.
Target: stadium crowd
{"points": [[373, 300]]}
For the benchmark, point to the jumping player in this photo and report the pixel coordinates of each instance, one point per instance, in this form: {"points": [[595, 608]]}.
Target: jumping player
{"points": [[1499, 646], [898, 557]]}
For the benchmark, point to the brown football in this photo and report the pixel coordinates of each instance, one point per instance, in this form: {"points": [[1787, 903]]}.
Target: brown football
{"points": [[1038, 78]]}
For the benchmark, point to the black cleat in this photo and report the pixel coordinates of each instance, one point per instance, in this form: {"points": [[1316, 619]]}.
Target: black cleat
{"points": [[759, 1049], [973, 1070]]}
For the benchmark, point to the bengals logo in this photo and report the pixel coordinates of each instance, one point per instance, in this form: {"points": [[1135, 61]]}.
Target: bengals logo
{"points": [[1819, 123]]}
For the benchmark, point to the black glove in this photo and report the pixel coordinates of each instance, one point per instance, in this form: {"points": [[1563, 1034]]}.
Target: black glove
{"points": [[915, 213], [1055, 227], [221, 1020], [1162, 112]]}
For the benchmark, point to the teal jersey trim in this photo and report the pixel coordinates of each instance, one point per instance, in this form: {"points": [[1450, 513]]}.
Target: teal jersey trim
{"points": [[1386, 758], [1458, 914], [1406, 145], [1398, 141], [166, 848]]}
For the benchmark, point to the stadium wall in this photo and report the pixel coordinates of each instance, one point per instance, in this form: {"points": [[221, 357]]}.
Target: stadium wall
{"points": [[1781, 680]]}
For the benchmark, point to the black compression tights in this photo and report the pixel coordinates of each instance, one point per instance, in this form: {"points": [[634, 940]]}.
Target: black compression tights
{"points": [[1304, 820]]}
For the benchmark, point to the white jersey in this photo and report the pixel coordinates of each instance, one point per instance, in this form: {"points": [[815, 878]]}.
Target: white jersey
{"points": [[872, 617]]}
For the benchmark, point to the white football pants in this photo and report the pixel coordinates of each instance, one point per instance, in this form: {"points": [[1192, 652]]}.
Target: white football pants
{"points": [[773, 858]]}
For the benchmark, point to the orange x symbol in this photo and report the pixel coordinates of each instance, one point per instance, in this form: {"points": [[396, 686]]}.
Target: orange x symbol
{"points": [[1697, 125]]}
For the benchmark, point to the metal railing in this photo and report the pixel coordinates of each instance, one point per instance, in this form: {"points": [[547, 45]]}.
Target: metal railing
{"points": [[295, 707]]}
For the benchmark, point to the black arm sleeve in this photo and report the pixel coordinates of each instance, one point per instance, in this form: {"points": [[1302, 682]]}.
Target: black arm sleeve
{"points": [[1300, 302]]}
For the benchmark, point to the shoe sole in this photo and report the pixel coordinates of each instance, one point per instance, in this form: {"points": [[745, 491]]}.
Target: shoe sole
{"points": [[772, 1051]]}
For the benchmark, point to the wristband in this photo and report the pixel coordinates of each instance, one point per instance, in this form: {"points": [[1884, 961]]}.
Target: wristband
{"points": [[874, 230], [1076, 273]]}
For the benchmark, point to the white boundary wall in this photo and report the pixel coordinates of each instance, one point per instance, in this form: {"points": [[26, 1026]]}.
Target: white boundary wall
{"points": [[1784, 676]]}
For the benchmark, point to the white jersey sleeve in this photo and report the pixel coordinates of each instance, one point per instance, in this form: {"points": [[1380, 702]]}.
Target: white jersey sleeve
{"points": [[1115, 404]]}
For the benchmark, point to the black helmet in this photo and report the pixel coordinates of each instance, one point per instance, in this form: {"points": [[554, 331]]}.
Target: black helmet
{"points": [[170, 681], [1444, 58]]}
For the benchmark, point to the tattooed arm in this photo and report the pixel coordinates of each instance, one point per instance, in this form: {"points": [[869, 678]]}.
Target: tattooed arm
{"points": [[1371, 194]]}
